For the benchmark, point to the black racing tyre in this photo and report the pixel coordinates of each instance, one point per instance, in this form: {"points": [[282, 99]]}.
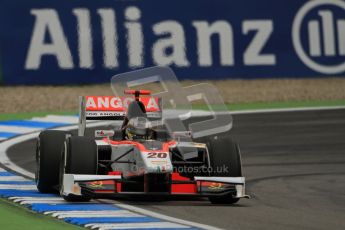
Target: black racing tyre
{"points": [[48, 154], [225, 160], [79, 156]]}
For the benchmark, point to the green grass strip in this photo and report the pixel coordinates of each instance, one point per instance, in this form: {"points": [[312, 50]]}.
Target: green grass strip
{"points": [[14, 216], [231, 107], [282, 105], [275, 105], [23, 116]]}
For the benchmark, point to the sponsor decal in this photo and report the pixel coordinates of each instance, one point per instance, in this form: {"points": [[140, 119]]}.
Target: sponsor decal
{"points": [[96, 184], [104, 133], [159, 162], [208, 186], [216, 186], [104, 114], [112, 103]]}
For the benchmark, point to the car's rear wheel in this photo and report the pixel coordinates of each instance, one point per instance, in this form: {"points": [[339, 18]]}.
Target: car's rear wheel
{"points": [[48, 154], [79, 156], [225, 159]]}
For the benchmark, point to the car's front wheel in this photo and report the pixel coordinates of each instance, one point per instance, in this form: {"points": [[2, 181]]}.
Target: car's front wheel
{"points": [[225, 159], [48, 153], [79, 156]]}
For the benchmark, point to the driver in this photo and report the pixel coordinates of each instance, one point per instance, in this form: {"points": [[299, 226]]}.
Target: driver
{"points": [[138, 128]]}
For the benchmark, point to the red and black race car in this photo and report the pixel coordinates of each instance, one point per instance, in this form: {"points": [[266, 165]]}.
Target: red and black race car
{"points": [[139, 158]]}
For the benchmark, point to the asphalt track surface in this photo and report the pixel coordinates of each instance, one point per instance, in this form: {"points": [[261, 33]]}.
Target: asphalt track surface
{"points": [[294, 163]]}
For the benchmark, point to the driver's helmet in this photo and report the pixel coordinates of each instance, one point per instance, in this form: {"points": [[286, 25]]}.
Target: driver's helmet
{"points": [[138, 128]]}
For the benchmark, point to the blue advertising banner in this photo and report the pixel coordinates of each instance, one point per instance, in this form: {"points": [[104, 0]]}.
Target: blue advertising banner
{"points": [[88, 41]]}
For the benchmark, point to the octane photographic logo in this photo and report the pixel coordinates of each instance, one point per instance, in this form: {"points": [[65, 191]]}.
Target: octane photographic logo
{"points": [[318, 35], [178, 100]]}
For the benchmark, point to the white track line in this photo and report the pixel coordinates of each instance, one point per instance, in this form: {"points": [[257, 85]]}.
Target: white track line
{"points": [[21, 198], [76, 212], [136, 225], [12, 178], [85, 214], [38, 199], [53, 202], [69, 120], [17, 129], [18, 187], [43, 202], [57, 118]]}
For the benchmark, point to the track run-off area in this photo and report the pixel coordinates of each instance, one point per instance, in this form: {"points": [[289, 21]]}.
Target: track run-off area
{"points": [[293, 161]]}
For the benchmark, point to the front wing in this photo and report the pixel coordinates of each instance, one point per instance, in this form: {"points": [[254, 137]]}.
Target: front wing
{"points": [[110, 186]]}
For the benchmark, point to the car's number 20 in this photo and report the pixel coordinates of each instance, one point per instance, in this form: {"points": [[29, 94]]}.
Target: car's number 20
{"points": [[157, 155]]}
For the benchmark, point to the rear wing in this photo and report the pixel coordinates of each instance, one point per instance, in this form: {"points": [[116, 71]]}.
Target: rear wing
{"points": [[113, 108]]}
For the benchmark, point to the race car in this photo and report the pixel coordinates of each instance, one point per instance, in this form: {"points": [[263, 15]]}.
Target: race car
{"points": [[138, 158]]}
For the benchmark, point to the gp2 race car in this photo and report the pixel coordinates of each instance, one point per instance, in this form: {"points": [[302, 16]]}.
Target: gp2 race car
{"points": [[136, 159]]}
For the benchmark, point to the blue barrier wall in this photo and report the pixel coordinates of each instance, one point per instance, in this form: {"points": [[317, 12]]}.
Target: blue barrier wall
{"points": [[88, 41]]}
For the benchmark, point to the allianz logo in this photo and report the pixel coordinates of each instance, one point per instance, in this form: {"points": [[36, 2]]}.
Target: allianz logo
{"points": [[325, 39], [324, 35], [168, 48]]}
